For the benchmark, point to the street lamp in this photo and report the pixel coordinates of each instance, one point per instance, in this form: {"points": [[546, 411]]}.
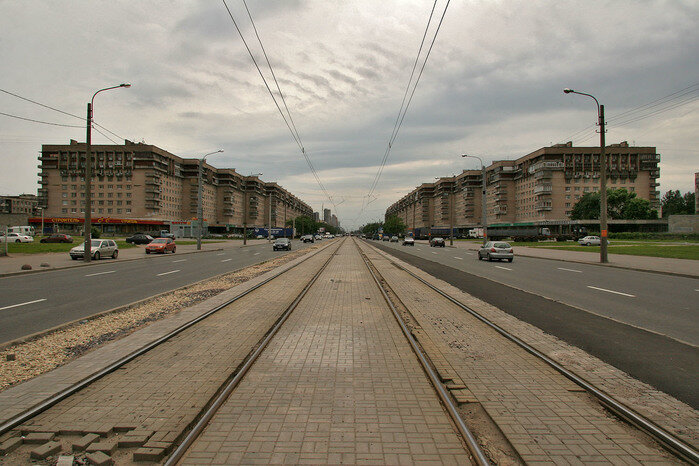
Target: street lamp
{"points": [[484, 217], [451, 210], [602, 177], [245, 211], [200, 208], [87, 256]]}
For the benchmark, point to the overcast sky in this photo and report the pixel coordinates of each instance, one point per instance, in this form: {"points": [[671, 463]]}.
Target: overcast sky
{"points": [[492, 85]]}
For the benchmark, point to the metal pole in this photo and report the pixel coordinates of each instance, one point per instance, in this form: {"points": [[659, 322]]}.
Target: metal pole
{"points": [[245, 217], [200, 213], [87, 250], [269, 231], [42, 220], [603, 189], [451, 215], [484, 212]]}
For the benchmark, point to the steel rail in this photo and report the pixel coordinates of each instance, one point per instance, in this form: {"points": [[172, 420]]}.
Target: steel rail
{"points": [[672, 443], [69, 391], [469, 438], [199, 427]]}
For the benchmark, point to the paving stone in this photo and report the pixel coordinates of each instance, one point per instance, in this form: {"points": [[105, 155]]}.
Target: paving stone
{"points": [[157, 444], [463, 395], [45, 450], [98, 458], [82, 443], [10, 444], [65, 460], [105, 446], [36, 438], [148, 454], [129, 441]]}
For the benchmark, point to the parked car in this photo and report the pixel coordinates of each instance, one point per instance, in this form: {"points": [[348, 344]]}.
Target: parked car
{"points": [[408, 241], [16, 238], [161, 245], [394, 239], [590, 241], [437, 242], [282, 243], [99, 248], [166, 234], [139, 238], [386, 238], [57, 238], [308, 239], [496, 250]]}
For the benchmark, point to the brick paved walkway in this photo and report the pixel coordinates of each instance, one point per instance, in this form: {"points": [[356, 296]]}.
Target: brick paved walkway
{"points": [[544, 415], [161, 392], [338, 384]]}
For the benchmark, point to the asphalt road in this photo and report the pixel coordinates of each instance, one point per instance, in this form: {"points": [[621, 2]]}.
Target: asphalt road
{"points": [[35, 302], [649, 331]]}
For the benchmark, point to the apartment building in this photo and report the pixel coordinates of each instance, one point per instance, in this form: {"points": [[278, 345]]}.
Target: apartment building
{"points": [[541, 187], [139, 186], [23, 204]]}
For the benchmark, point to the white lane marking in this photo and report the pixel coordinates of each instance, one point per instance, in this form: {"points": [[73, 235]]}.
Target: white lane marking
{"points": [[256, 254], [23, 304], [99, 273], [433, 252], [166, 273], [180, 260], [612, 291], [501, 267], [221, 254], [469, 253], [460, 258], [226, 260], [569, 270], [419, 249]]}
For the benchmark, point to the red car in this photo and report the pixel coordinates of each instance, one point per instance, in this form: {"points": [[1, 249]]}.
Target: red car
{"points": [[161, 245], [57, 238]]}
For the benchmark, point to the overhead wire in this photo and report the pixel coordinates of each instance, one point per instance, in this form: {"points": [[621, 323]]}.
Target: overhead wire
{"points": [[39, 121], [289, 122]]}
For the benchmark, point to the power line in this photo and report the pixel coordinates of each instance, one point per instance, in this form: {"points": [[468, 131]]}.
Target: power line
{"points": [[38, 121]]}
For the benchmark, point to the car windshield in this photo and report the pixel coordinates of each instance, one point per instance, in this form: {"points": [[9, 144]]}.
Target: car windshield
{"points": [[160, 240], [95, 243], [282, 240], [502, 245]]}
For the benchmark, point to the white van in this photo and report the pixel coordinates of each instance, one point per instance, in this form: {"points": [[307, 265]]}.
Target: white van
{"points": [[22, 230]]}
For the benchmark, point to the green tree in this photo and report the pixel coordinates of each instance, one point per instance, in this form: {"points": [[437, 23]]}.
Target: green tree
{"points": [[393, 226], [370, 229], [672, 203], [689, 203], [621, 205]]}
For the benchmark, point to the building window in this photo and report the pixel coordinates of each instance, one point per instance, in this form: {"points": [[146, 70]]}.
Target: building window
{"points": [[64, 194], [128, 211], [64, 211], [118, 211], [110, 194], [65, 202], [567, 189], [73, 210], [109, 211], [128, 202], [64, 186], [567, 204], [101, 211], [110, 202], [128, 186], [64, 178]]}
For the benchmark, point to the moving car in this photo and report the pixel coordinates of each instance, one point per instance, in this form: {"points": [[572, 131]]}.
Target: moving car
{"points": [[394, 239], [408, 241], [590, 241], [57, 238], [437, 242], [16, 238], [385, 238], [98, 248], [161, 245], [282, 243], [496, 250], [318, 237], [307, 239], [139, 238]]}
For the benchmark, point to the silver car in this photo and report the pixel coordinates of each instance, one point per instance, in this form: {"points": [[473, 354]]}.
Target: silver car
{"points": [[496, 250], [98, 248], [590, 241]]}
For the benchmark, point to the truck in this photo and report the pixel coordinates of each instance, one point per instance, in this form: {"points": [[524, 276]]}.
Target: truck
{"points": [[22, 230], [475, 233], [524, 233]]}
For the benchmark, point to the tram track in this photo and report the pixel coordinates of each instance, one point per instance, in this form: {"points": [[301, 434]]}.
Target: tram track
{"points": [[21, 424], [670, 442]]}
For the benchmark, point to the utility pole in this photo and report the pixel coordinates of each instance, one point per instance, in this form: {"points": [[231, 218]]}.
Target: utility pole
{"points": [[245, 216]]}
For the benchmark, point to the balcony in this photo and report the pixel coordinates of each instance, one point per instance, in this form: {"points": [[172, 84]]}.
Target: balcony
{"points": [[543, 188], [542, 207]]}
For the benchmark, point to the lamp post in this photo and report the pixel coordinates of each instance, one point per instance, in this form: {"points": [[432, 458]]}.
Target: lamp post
{"points": [[42, 220], [87, 251], [200, 208], [451, 212], [484, 216], [602, 176]]}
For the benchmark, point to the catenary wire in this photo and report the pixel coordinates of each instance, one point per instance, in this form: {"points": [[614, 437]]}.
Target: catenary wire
{"points": [[39, 121]]}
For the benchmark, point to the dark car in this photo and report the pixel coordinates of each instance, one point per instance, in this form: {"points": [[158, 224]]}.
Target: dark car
{"points": [[496, 250], [437, 242], [308, 239], [57, 238], [139, 238], [282, 243]]}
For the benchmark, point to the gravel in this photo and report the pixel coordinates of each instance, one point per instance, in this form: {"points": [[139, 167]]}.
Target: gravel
{"points": [[29, 359]]}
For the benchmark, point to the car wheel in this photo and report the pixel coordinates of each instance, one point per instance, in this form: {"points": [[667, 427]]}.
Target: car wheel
{"points": [[478, 256], [97, 256], [74, 258], [115, 255], [173, 250], [147, 251], [509, 260], [490, 259], [18, 241]]}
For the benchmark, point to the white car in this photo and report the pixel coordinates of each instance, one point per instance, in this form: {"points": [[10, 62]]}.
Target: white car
{"points": [[16, 238], [98, 248], [590, 241]]}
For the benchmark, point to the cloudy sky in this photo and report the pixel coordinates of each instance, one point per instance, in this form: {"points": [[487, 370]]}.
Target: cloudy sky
{"points": [[492, 85]]}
